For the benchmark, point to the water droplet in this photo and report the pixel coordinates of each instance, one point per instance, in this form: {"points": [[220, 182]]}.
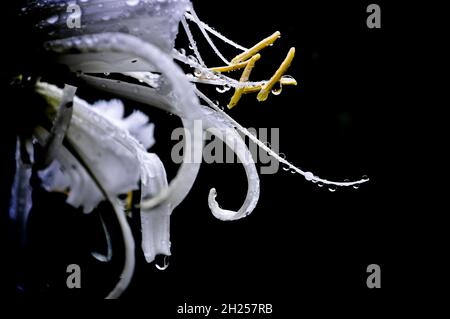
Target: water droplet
{"points": [[293, 171], [165, 264], [286, 168], [52, 19], [132, 3], [193, 59], [216, 103], [320, 184], [309, 176], [356, 186], [182, 51], [287, 77], [277, 89], [365, 177], [223, 89], [106, 73], [332, 188], [198, 73]]}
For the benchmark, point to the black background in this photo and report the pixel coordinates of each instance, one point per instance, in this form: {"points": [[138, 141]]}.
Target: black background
{"points": [[346, 119]]}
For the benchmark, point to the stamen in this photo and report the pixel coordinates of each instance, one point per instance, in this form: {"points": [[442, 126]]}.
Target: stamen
{"points": [[129, 201], [256, 48], [244, 78], [264, 93], [283, 81], [229, 68]]}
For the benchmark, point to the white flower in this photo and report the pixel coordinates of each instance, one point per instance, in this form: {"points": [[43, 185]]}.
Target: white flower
{"points": [[108, 153]]}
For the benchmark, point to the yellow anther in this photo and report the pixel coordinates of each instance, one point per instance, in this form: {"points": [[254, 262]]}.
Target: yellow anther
{"points": [[229, 68], [255, 49], [264, 93], [129, 201], [244, 78], [284, 81]]}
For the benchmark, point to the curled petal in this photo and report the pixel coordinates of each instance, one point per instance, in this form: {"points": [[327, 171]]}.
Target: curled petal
{"points": [[234, 141]]}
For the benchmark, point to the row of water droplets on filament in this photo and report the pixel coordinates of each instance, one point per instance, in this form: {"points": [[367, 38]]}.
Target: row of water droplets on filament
{"points": [[206, 76], [281, 158]]}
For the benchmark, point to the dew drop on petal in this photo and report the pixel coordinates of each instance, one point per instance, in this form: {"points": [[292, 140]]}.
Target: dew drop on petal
{"points": [[132, 3], [193, 59], [198, 73], [52, 19]]}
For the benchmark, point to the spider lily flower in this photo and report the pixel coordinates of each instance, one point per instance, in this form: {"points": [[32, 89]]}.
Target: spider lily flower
{"points": [[105, 154]]}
